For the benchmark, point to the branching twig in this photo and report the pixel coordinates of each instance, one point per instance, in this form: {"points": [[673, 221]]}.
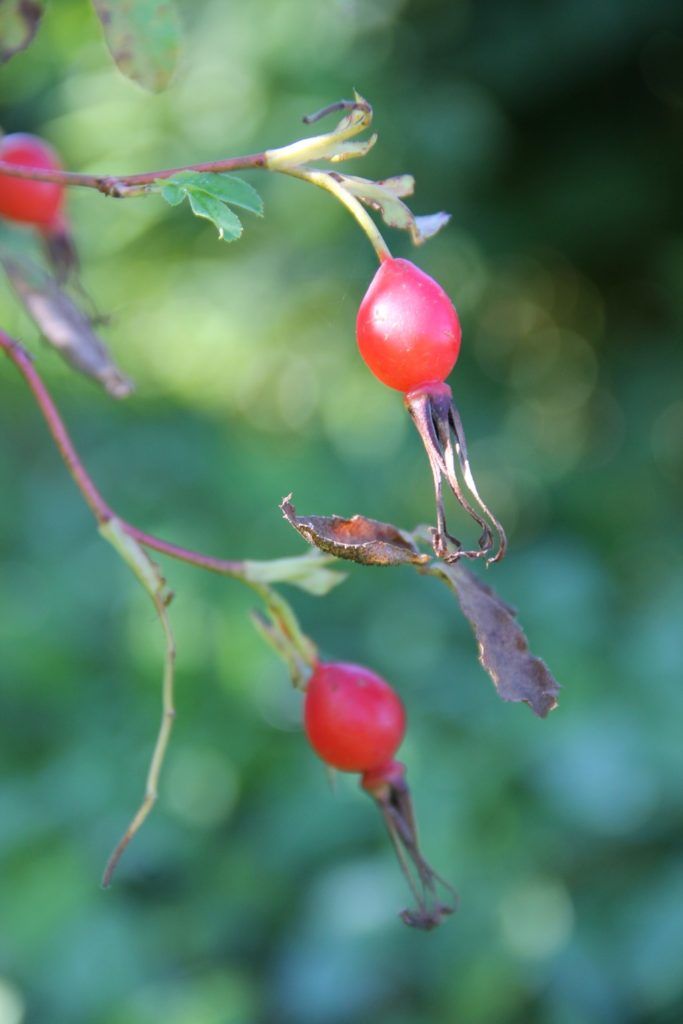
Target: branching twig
{"points": [[129, 542]]}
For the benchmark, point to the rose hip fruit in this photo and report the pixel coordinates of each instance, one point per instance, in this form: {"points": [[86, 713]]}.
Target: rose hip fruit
{"points": [[407, 328], [31, 202], [353, 719]]}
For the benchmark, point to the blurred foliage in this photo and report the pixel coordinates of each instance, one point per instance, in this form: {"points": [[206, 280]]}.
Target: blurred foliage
{"points": [[552, 133]]}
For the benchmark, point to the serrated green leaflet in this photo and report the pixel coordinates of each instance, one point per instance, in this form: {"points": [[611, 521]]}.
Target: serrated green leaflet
{"points": [[228, 223], [173, 194], [225, 187], [211, 196]]}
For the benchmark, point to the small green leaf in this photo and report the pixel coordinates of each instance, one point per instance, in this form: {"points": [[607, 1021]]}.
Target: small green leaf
{"points": [[143, 37], [227, 223], [173, 194], [238, 192], [308, 572], [209, 194], [225, 187], [19, 21]]}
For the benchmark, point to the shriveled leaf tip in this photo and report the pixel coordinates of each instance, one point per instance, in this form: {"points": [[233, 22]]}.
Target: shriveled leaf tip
{"points": [[517, 674]]}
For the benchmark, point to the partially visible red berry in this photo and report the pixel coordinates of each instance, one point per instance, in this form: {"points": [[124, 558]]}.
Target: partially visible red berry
{"points": [[353, 719], [407, 328], [32, 202]]}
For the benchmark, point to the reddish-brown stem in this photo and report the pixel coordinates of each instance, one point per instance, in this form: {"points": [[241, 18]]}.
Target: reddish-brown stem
{"points": [[117, 185], [98, 506], [23, 362], [222, 566]]}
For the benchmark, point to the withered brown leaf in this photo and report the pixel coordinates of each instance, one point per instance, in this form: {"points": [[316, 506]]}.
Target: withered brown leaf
{"points": [[19, 22], [518, 675], [358, 539], [63, 325]]}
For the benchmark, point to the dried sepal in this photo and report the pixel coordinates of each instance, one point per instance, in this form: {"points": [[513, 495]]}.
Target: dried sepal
{"points": [[335, 145], [386, 197], [439, 425], [389, 789]]}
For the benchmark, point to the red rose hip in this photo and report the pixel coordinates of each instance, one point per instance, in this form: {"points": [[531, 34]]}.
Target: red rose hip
{"points": [[353, 719], [407, 328], [32, 202]]}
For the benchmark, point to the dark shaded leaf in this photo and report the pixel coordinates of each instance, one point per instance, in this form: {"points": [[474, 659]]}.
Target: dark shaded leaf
{"points": [[60, 249], [19, 21], [64, 326], [358, 539], [143, 37], [503, 649]]}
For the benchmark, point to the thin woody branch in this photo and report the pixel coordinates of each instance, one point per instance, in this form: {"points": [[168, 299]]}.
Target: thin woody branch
{"points": [[122, 186]]}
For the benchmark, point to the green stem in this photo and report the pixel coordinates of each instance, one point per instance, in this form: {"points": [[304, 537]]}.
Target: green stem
{"points": [[326, 181]]}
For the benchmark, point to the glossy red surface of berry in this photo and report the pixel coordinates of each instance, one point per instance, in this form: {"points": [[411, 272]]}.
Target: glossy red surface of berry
{"points": [[407, 328], [353, 719], [32, 202]]}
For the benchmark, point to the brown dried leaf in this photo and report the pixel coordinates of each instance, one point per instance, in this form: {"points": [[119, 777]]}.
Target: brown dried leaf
{"points": [[503, 649], [358, 539], [19, 21], [64, 326], [143, 37]]}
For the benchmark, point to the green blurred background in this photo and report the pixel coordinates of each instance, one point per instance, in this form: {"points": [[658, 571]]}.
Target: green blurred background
{"points": [[552, 132]]}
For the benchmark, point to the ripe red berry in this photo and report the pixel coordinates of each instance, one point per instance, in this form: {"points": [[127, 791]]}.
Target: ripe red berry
{"points": [[353, 719], [407, 328], [32, 202]]}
